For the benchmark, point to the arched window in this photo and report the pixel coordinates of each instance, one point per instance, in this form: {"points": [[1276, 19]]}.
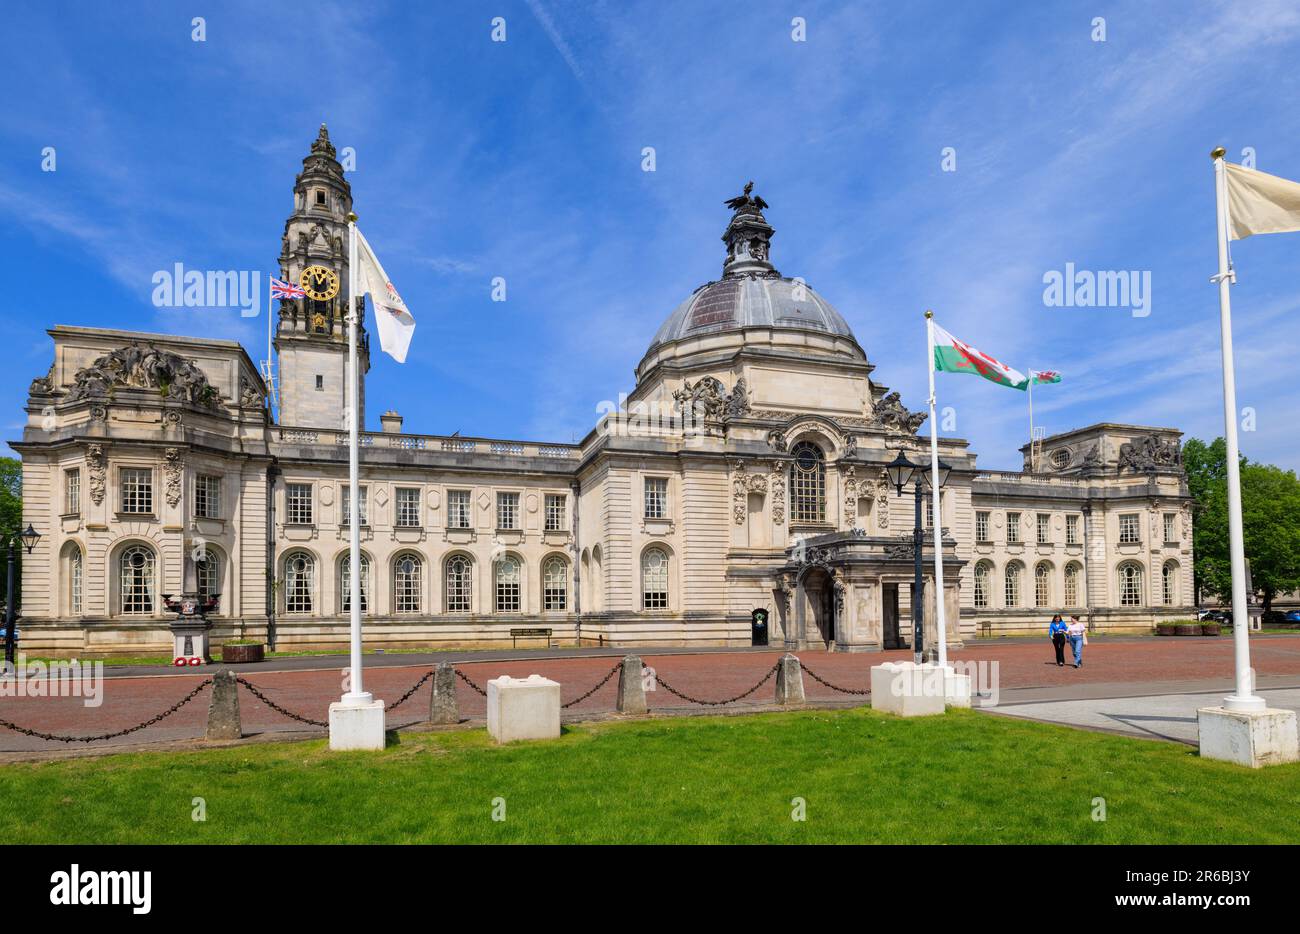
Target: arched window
{"points": [[1043, 584], [207, 572], [507, 585], [408, 584], [1169, 582], [555, 584], [459, 583], [345, 583], [136, 566], [1072, 585], [807, 483], [299, 583], [1012, 584], [1130, 584], [73, 577], [983, 571], [654, 579]]}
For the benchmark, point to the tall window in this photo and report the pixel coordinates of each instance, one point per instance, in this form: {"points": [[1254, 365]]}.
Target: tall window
{"points": [[507, 510], [1130, 529], [982, 573], [72, 491], [1044, 528], [74, 581], [1072, 530], [297, 504], [1013, 528], [555, 584], [1043, 584], [808, 483], [1012, 583], [408, 507], [656, 497], [928, 521], [459, 581], [207, 497], [982, 527], [137, 490], [363, 513], [458, 509], [1169, 583], [136, 567], [1130, 585], [408, 575], [1171, 527], [555, 521], [207, 573], [507, 585], [654, 579], [299, 583], [1072, 585], [345, 583]]}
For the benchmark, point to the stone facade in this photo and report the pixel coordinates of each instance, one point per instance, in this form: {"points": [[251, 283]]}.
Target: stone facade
{"points": [[746, 471]]}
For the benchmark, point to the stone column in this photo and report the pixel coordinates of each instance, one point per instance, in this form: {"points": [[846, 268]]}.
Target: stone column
{"points": [[789, 681], [223, 711], [631, 687], [443, 707]]}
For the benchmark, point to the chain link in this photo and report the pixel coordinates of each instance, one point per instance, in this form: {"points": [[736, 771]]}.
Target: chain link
{"points": [[598, 686], [277, 708], [833, 687], [718, 703], [460, 674], [407, 696], [103, 736]]}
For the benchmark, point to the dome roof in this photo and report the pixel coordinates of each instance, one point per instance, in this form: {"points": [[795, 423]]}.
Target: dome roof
{"points": [[732, 304]]}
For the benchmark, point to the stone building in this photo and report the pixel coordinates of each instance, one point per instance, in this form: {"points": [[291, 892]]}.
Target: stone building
{"points": [[745, 472]]}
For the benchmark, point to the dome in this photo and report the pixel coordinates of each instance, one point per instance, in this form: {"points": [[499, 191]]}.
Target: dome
{"points": [[732, 304]]}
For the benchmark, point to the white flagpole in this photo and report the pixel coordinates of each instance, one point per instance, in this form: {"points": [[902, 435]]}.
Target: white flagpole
{"points": [[356, 695], [270, 340], [1033, 466], [937, 525], [1243, 698]]}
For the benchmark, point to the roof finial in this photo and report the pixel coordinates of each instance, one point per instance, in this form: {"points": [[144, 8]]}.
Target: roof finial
{"points": [[746, 200]]}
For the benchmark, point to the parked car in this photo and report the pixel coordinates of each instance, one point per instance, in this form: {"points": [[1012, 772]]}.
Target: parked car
{"points": [[1214, 616], [1282, 617]]}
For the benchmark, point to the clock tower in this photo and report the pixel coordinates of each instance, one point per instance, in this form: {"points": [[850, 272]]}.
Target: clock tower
{"points": [[312, 337]]}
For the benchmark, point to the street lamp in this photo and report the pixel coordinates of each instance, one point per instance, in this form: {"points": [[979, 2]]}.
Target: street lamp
{"points": [[902, 471], [29, 537]]}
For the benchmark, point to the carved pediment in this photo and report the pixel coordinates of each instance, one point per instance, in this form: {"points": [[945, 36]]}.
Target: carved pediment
{"points": [[144, 366], [891, 415], [1148, 454]]}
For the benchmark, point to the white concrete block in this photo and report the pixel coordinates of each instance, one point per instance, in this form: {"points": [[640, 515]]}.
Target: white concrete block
{"points": [[908, 689], [956, 689], [1253, 738], [357, 726], [523, 708]]}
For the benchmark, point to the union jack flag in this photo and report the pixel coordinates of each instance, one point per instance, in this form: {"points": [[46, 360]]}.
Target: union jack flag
{"points": [[285, 289]]}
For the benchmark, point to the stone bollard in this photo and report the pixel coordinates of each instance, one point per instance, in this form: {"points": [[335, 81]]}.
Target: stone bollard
{"points": [[442, 703], [223, 712], [631, 686], [789, 681]]}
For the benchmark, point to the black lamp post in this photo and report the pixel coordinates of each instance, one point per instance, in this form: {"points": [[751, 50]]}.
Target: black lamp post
{"points": [[29, 538], [902, 471]]}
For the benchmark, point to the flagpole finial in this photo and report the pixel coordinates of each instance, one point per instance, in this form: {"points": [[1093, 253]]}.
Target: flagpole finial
{"points": [[1218, 153], [352, 218], [929, 313]]}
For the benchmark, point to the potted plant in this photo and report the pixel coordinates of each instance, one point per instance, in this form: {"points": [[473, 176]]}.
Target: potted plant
{"points": [[1164, 629], [1187, 629], [1209, 628], [242, 650]]}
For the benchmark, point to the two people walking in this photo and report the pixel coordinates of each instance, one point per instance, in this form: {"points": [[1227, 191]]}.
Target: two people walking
{"points": [[1074, 631]]}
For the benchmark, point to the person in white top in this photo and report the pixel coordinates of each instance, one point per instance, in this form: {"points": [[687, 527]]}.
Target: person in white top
{"points": [[1078, 635]]}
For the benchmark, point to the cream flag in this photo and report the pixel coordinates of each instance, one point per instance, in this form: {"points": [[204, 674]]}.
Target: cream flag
{"points": [[396, 324], [1260, 203]]}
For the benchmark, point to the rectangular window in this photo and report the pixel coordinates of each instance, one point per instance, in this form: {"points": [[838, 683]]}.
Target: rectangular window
{"points": [[1071, 530], [929, 513], [363, 513], [656, 497], [408, 507], [137, 489], [207, 497], [1013, 528], [297, 504], [1171, 528], [1044, 528], [72, 492], [507, 510], [458, 509], [555, 520], [1130, 529], [982, 527]]}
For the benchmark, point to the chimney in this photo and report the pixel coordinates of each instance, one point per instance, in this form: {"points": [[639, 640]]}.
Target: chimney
{"points": [[392, 422]]}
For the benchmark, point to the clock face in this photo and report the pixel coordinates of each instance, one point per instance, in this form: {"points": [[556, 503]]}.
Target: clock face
{"points": [[319, 283]]}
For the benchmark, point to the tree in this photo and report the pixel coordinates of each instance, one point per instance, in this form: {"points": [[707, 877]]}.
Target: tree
{"points": [[11, 509]]}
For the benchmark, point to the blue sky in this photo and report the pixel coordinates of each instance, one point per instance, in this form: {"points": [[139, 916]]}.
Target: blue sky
{"points": [[523, 160]]}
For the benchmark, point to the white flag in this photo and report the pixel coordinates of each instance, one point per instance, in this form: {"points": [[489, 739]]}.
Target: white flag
{"points": [[396, 324], [1260, 203]]}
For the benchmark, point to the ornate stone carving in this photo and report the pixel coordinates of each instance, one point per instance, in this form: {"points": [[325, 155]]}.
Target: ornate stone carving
{"points": [[709, 397], [99, 413], [786, 583], [249, 397], [742, 485], [171, 419], [43, 385], [738, 399], [1148, 454], [1093, 459], [891, 415], [903, 548], [778, 492], [777, 442], [172, 465], [850, 445], [143, 367], [97, 472]]}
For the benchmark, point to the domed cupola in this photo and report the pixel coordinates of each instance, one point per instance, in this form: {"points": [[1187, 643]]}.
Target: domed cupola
{"points": [[748, 238]]}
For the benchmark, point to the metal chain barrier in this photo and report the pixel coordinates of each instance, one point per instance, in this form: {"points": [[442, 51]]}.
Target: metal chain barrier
{"points": [[114, 735], [407, 696], [277, 708], [660, 682], [460, 674], [598, 686], [833, 687]]}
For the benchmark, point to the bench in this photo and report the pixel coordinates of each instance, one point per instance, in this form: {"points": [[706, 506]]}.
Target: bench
{"points": [[529, 634]]}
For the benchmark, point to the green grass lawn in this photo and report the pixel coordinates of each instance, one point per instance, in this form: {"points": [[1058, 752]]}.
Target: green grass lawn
{"points": [[865, 777]]}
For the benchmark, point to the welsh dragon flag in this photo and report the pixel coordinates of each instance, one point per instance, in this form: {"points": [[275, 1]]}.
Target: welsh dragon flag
{"points": [[1044, 376], [954, 356]]}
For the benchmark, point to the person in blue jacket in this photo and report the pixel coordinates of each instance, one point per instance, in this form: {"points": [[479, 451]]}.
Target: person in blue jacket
{"points": [[1057, 632]]}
